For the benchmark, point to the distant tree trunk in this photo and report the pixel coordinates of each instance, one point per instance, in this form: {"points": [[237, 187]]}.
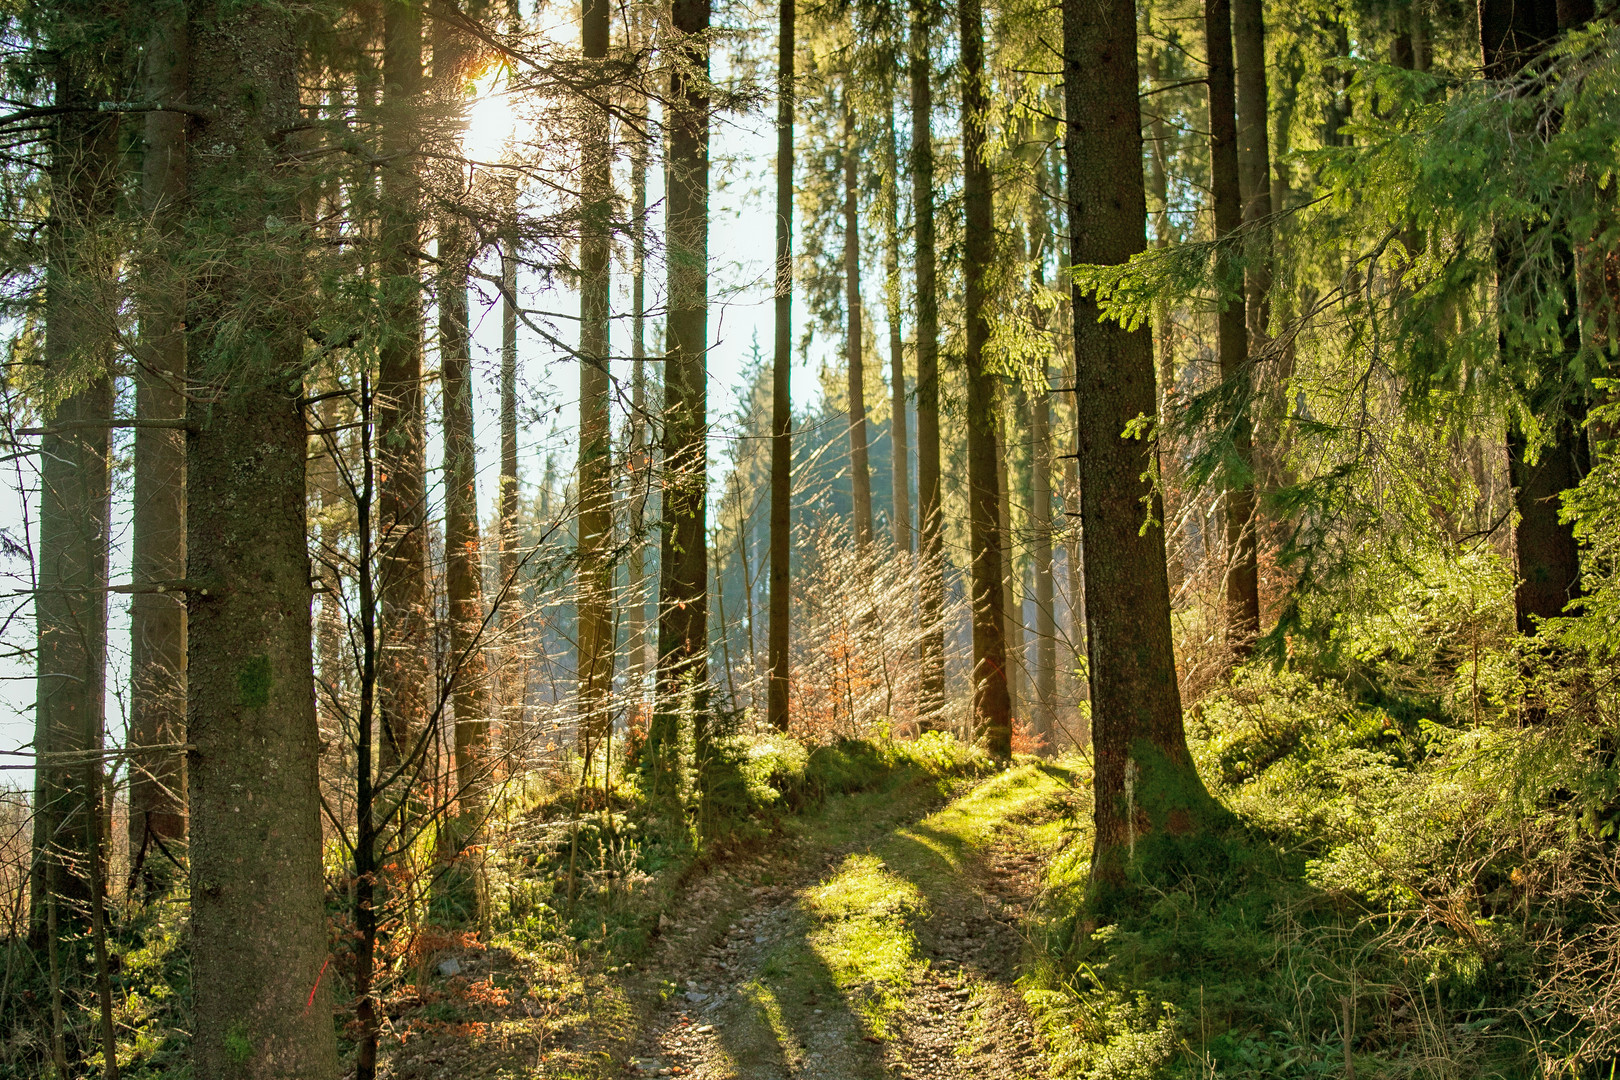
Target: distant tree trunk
{"points": [[403, 681], [262, 994], [635, 616], [508, 509], [1148, 796], [683, 608], [900, 445], [595, 528], [930, 521], [776, 707], [157, 621], [70, 602], [1254, 184], [1012, 620], [1040, 527], [1242, 570], [463, 561], [854, 346], [992, 708]]}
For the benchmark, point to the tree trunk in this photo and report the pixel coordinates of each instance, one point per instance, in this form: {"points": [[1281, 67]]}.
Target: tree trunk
{"points": [[1242, 571], [860, 473], [899, 444], [776, 707], [1149, 799], [595, 527], [463, 561], [930, 521], [70, 601], [508, 509], [1040, 527], [683, 608], [1012, 620], [1159, 178], [258, 922], [404, 690], [157, 654], [992, 708], [635, 616]]}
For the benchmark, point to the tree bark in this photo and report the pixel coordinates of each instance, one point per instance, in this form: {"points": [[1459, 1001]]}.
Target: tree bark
{"points": [[683, 609], [70, 602], [1012, 617], [1511, 37], [404, 691], [258, 923], [992, 708], [777, 698], [1242, 568], [157, 656], [594, 581], [900, 444], [930, 521], [860, 473], [1149, 800]]}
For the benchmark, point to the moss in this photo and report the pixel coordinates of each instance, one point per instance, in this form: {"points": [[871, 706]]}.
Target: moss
{"points": [[253, 682], [238, 1047]]}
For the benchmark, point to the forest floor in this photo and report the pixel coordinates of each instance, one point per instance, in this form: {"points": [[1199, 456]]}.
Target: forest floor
{"points": [[882, 940]]}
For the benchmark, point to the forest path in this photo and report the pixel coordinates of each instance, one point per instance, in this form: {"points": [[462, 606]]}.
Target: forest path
{"points": [[899, 961]]}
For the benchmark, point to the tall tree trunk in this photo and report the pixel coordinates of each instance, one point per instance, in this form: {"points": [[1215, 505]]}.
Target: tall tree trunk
{"points": [[1040, 527], [1254, 185], [635, 617], [860, 473], [992, 708], [1148, 796], [1231, 338], [776, 702], [463, 561], [930, 517], [258, 923], [1012, 620], [595, 528], [1511, 36], [70, 602], [404, 692], [900, 444], [157, 621], [683, 608], [508, 509]]}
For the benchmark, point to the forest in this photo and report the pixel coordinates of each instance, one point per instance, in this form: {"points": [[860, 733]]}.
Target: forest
{"points": [[838, 540]]}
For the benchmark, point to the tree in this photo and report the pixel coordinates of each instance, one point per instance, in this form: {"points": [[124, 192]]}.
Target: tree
{"points": [[594, 580], [1148, 797], [992, 708], [1549, 567], [1232, 343], [258, 926], [860, 472], [683, 623], [463, 563], [402, 531], [781, 521], [70, 599], [157, 620], [930, 507], [900, 445]]}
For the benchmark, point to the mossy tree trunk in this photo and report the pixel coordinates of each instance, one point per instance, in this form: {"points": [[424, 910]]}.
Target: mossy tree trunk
{"points": [[259, 936], [594, 574], [930, 520], [683, 602], [781, 521], [1149, 800], [992, 707]]}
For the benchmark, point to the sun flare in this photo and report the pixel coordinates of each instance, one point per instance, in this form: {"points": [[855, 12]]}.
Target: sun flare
{"points": [[490, 119]]}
